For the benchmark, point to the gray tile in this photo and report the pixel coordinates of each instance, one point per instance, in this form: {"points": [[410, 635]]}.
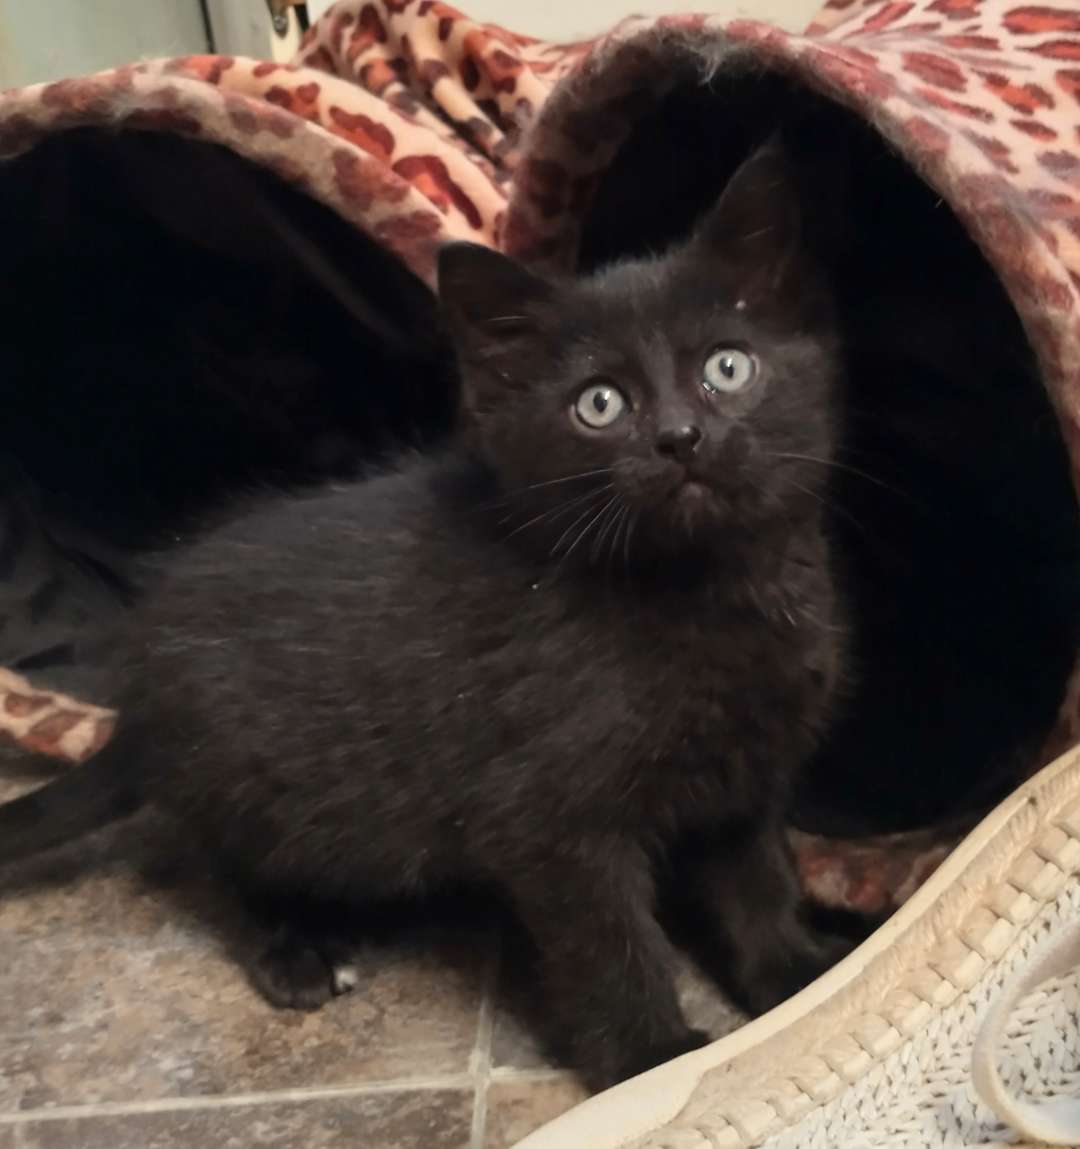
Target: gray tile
{"points": [[100, 1005], [412, 1120], [517, 1108], [58, 908]]}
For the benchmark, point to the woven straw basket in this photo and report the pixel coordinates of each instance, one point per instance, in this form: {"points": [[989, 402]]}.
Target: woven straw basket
{"points": [[954, 1025]]}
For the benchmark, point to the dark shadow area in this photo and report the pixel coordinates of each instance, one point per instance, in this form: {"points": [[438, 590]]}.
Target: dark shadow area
{"points": [[181, 328], [951, 505]]}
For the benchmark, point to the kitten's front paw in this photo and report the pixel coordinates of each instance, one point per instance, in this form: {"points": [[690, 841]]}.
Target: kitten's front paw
{"points": [[785, 969], [649, 1056], [293, 974]]}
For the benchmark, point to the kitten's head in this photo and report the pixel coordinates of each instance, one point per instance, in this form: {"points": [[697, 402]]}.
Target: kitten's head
{"points": [[680, 397]]}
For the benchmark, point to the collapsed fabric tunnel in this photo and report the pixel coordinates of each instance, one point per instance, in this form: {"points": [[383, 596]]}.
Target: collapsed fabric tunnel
{"points": [[217, 279], [184, 329]]}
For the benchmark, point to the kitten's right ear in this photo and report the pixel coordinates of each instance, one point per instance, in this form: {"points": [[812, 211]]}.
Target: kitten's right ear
{"points": [[756, 225], [485, 293]]}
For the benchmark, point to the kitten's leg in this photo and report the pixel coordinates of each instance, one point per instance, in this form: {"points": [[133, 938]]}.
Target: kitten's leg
{"points": [[747, 912], [606, 963]]}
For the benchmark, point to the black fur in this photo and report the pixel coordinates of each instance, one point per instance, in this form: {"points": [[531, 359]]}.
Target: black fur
{"points": [[565, 663]]}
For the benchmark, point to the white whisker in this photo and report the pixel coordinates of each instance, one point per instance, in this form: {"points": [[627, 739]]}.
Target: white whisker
{"points": [[624, 520], [626, 541], [828, 504], [568, 478], [588, 511], [839, 467], [585, 530], [512, 496], [553, 512], [598, 543]]}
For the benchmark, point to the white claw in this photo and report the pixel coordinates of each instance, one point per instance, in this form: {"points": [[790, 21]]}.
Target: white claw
{"points": [[346, 978]]}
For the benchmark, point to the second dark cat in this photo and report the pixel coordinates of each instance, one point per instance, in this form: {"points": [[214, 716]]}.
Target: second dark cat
{"points": [[583, 651]]}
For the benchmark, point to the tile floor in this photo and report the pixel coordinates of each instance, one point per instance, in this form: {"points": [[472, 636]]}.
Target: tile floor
{"points": [[126, 1023]]}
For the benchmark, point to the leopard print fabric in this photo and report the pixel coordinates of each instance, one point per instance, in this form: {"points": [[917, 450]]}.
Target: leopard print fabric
{"points": [[420, 125]]}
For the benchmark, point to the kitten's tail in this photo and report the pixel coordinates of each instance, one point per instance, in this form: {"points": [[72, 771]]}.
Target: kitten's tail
{"points": [[85, 799]]}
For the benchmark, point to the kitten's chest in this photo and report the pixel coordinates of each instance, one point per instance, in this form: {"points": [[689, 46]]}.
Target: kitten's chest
{"points": [[732, 693], [698, 673]]}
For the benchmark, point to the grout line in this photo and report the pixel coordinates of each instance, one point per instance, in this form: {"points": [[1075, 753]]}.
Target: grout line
{"points": [[482, 1075], [531, 1076], [480, 1058], [452, 1081], [456, 1081], [480, 1061]]}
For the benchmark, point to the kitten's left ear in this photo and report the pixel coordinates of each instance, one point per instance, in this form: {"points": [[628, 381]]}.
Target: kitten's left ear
{"points": [[484, 293], [756, 224]]}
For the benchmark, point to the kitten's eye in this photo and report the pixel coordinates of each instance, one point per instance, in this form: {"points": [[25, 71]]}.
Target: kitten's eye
{"points": [[728, 370], [599, 405]]}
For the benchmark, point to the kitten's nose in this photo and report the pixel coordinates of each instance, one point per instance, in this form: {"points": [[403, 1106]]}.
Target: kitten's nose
{"points": [[678, 442]]}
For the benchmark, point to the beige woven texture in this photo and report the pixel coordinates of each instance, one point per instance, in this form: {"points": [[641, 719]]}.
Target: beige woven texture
{"points": [[896, 1072], [922, 1094]]}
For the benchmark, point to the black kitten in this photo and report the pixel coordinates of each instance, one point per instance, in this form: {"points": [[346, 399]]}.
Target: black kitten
{"points": [[588, 646]]}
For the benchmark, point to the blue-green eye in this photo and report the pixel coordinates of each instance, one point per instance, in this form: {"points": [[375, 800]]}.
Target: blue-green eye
{"points": [[728, 370], [599, 405]]}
